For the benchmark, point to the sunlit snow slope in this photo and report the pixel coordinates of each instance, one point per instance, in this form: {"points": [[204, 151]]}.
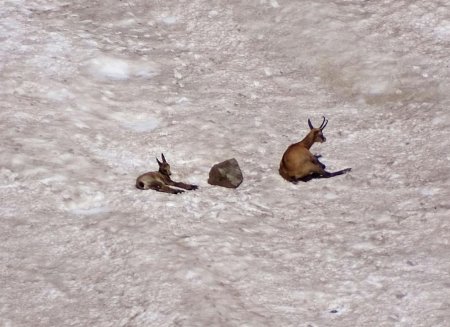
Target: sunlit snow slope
{"points": [[91, 91]]}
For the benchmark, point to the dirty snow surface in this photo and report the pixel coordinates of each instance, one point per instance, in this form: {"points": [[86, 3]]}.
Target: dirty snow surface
{"points": [[93, 90]]}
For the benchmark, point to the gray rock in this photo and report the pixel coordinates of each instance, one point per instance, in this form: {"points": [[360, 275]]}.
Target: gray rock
{"points": [[226, 173]]}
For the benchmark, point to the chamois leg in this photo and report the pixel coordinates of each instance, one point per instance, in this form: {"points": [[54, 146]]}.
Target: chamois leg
{"points": [[167, 189], [317, 156], [323, 174], [336, 173], [341, 172], [183, 185], [306, 178], [160, 187]]}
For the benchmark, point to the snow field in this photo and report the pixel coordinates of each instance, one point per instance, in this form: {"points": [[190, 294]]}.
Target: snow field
{"points": [[92, 92]]}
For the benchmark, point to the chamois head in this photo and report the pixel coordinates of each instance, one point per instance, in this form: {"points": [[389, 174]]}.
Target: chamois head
{"points": [[318, 132], [164, 167]]}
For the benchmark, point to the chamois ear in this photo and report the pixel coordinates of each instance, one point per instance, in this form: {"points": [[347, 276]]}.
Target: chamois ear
{"points": [[164, 159], [310, 124]]}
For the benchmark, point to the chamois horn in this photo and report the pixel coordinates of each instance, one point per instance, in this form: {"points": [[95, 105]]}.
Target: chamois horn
{"points": [[324, 123]]}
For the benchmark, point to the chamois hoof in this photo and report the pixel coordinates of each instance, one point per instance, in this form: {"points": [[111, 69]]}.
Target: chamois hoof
{"points": [[178, 191], [193, 187]]}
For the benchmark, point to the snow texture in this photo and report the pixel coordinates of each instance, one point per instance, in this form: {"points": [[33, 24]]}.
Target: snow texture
{"points": [[92, 91]]}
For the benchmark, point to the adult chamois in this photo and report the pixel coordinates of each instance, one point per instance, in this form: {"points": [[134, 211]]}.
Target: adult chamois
{"points": [[160, 180], [299, 164]]}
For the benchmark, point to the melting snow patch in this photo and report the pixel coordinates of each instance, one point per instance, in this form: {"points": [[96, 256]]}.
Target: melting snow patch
{"points": [[429, 191], [212, 13], [268, 71], [378, 87], [8, 175], [104, 67], [443, 32], [127, 22], [53, 179], [363, 246], [83, 199], [331, 196], [109, 68], [439, 120], [182, 100], [194, 277], [375, 281], [168, 20], [60, 95], [274, 4], [140, 123], [141, 126], [90, 211], [51, 293]]}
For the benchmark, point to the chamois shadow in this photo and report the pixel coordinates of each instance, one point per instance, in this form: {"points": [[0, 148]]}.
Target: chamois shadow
{"points": [[318, 176]]}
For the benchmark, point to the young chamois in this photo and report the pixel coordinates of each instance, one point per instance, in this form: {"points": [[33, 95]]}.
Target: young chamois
{"points": [[299, 164], [160, 180]]}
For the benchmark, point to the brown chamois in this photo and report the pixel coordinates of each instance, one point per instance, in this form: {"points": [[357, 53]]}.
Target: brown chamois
{"points": [[299, 164], [160, 180]]}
